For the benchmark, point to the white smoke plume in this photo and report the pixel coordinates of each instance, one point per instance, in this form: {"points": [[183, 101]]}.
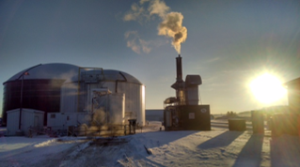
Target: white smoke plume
{"points": [[171, 25], [158, 7], [135, 14], [137, 44], [143, 1]]}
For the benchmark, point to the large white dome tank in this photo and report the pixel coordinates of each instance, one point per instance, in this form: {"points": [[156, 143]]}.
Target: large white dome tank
{"points": [[65, 88]]}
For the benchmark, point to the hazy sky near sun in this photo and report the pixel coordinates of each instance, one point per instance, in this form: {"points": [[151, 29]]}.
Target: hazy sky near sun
{"points": [[228, 43]]}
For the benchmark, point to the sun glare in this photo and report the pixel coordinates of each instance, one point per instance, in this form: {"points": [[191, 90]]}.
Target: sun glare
{"points": [[267, 88]]}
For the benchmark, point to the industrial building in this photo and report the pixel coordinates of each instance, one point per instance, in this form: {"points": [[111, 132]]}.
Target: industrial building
{"points": [[183, 112], [69, 95]]}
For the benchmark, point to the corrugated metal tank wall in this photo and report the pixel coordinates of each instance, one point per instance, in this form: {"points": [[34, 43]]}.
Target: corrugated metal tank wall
{"points": [[39, 94], [134, 101], [116, 108], [69, 97], [134, 97]]}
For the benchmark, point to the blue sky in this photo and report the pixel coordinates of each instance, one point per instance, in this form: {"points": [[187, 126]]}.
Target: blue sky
{"points": [[228, 44]]}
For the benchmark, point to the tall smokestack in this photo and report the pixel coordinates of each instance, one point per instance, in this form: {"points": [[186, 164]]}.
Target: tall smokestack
{"points": [[179, 84], [179, 68]]}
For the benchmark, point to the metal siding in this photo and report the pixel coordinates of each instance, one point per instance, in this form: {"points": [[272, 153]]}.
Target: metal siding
{"points": [[69, 94], [60, 121], [134, 97], [91, 87], [133, 94], [26, 121], [134, 100], [43, 95], [192, 95], [50, 121], [116, 108], [12, 121], [200, 121], [41, 119], [168, 119], [55, 122], [59, 96], [107, 84], [82, 95]]}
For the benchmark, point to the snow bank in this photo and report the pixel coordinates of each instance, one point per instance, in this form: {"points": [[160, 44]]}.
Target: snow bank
{"points": [[45, 143]]}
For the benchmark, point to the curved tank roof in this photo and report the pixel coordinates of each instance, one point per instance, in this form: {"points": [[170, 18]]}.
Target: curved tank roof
{"points": [[68, 72]]}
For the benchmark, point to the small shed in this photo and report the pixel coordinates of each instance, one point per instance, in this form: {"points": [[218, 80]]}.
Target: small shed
{"points": [[30, 118]]}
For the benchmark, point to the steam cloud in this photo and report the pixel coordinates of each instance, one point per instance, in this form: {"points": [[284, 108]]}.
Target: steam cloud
{"points": [[135, 14], [158, 7], [171, 26], [137, 44]]}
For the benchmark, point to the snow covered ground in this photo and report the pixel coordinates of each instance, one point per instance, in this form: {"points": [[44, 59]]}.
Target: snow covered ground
{"points": [[218, 147], [23, 151]]}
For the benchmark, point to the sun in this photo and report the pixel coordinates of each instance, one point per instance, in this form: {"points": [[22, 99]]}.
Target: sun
{"points": [[267, 88]]}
